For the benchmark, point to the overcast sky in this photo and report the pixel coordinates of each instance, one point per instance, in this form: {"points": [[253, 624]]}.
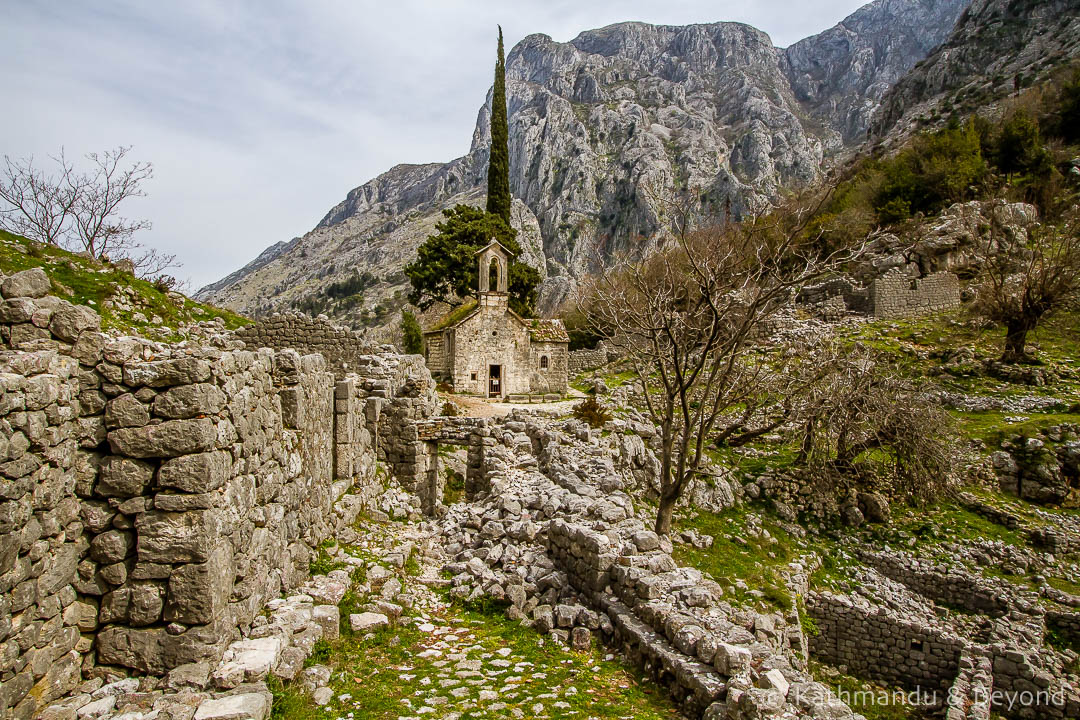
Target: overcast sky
{"points": [[259, 115]]}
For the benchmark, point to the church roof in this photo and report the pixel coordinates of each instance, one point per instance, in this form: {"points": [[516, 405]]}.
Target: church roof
{"points": [[545, 330], [492, 243]]}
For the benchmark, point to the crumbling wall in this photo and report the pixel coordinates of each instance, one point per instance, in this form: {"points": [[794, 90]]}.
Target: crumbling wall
{"points": [[874, 643], [582, 360], [154, 497], [342, 347], [944, 584], [895, 295], [971, 692]]}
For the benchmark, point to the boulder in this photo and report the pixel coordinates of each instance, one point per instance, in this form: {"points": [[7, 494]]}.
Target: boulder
{"points": [[32, 283], [368, 622]]}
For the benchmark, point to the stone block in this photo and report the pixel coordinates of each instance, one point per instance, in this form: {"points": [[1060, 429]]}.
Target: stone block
{"points": [[111, 546], [198, 473], [123, 477], [167, 439], [166, 373], [255, 657], [188, 401], [731, 659], [168, 537], [199, 591], [69, 321], [243, 706], [368, 622]]}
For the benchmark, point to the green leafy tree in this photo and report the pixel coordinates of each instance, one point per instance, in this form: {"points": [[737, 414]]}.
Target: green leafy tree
{"points": [[1068, 111], [413, 338], [1019, 148], [498, 198], [445, 269], [937, 170]]}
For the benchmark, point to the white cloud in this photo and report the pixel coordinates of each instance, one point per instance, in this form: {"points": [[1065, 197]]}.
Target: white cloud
{"points": [[259, 116]]}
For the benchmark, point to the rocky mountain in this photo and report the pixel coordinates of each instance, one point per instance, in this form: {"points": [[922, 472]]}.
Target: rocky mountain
{"points": [[996, 47], [607, 126]]}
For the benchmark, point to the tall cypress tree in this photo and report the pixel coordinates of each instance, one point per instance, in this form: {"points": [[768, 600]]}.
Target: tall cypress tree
{"points": [[498, 198]]}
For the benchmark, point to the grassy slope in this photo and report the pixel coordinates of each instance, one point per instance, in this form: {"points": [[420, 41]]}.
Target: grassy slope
{"points": [[918, 347], [83, 281]]}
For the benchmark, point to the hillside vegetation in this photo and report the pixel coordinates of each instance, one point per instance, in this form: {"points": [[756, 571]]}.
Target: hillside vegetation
{"points": [[125, 302]]}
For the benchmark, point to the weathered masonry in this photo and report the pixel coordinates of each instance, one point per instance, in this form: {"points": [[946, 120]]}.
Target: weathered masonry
{"points": [[154, 497], [493, 351]]}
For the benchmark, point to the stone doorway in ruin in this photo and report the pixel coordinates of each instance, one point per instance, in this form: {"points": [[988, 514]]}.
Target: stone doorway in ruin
{"points": [[494, 381], [470, 434]]}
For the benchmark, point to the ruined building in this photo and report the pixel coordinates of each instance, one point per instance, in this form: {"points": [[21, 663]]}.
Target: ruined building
{"points": [[493, 351]]}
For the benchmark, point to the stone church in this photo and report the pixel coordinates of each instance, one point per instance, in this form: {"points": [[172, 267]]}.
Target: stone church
{"points": [[494, 352]]}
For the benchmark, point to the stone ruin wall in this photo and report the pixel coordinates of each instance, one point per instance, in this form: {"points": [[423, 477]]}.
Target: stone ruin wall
{"points": [[343, 348], [584, 360], [894, 295], [874, 643], [153, 498]]}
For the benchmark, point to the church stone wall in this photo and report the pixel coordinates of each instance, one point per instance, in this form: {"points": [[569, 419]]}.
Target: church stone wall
{"points": [[491, 337], [553, 378]]}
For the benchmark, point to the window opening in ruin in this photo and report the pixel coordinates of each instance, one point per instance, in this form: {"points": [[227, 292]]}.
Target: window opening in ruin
{"points": [[472, 377], [916, 645]]}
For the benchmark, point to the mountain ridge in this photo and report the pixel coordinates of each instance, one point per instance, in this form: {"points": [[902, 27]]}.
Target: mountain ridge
{"points": [[600, 126]]}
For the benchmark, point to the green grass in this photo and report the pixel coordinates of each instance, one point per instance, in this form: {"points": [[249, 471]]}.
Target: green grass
{"points": [[863, 696], [940, 523], [382, 672], [83, 281], [737, 555], [454, 489], [322, 563], [1063, 585]]}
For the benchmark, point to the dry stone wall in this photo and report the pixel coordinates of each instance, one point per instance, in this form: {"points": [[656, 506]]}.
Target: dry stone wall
{"points": [[584, 360], [154, 497], [895, 295], [343, 348], [873, 642]]}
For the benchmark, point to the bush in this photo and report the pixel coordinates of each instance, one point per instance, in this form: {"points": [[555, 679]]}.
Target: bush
{"points": [[1019, 149], [413, 337], [937, 170], [591, 411], [164, 283]]}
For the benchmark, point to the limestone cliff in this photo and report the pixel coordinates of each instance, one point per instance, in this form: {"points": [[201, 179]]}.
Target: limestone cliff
{"points": [[996, 47], [603, 127]]}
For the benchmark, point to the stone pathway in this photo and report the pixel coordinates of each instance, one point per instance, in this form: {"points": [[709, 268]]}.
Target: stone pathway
{"points": [[443, 660], [479, 407]]}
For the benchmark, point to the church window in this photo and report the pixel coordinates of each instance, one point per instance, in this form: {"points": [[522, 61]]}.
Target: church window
{"points": [[543, 362]]}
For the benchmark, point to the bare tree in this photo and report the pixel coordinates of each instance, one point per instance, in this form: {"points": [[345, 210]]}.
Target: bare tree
{"points": [[80, 210], [1023, 283], [36, 205], [97, 225], [687, 318], [866, 423]]}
